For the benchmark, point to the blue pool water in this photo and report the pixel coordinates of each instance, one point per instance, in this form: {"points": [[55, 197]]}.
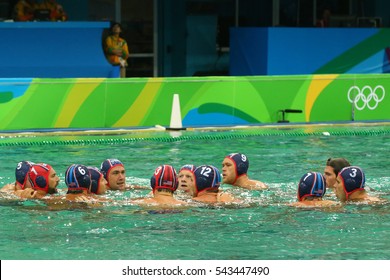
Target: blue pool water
{"points": [[267, 230]]}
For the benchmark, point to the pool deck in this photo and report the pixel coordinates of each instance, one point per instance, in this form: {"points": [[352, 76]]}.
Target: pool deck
{"points": [[158, 128]]}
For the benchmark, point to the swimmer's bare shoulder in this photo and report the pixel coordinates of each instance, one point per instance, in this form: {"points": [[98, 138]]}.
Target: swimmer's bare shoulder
{"points": [[26, 193], [224, 197], [144, 201], [314, 204], [8, 188], [255, 185], [375, 199], [71, 202], [371, 200], [153, 204]]}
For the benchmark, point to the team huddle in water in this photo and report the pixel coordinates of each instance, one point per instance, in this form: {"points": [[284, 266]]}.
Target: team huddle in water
{"points": [[347, 182], [192, 184]]}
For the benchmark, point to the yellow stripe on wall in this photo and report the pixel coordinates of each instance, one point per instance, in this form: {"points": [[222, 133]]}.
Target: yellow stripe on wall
{"points": [[136, 113], [317, 85], [76, 97]]}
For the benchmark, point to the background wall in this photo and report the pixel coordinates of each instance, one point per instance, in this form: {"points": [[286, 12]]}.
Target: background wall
{"points": [[158, 32], [53, 50], [204, 101], [294, 51]]}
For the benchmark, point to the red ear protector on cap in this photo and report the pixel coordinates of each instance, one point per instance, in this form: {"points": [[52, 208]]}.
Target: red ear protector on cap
{"points": [[39, 176]]}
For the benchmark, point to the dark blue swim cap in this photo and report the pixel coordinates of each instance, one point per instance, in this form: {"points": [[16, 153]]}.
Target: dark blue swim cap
{"points": [[164, 177], [311, 184], [77, 178], [106, 166], [189, 167], [353, 179], [207, 177], [96, 175], [21, 172], [241, 163]]}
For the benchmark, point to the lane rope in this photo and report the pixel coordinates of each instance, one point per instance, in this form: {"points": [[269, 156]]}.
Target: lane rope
{"points": [[80, 139]]}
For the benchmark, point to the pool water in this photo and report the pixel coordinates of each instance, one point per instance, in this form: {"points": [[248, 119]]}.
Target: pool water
{"points": [[268, 229]]}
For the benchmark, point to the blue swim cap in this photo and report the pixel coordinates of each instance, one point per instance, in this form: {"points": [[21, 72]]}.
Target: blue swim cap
{"points": [[207, 177], [353, 179], [96, 175], [21, 172], [164, 177], [241, 163], [189, 167], [77, 178], [311, 184], [106, 166]]}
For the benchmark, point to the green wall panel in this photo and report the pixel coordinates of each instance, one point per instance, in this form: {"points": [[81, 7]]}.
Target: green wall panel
{"points": [[139, 102]]}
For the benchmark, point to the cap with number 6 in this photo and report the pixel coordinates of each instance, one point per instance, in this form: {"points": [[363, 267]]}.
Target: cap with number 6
{"points": [[77, 178]]}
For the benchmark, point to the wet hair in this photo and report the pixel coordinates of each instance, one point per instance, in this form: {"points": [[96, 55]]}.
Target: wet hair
{"points": [[337, 164], [353, 179], [312, 184], [207, 177]]}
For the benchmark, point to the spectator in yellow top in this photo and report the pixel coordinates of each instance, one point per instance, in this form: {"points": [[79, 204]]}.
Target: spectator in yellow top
{"points": [[24, 10], [116, 48], [57, 12]]}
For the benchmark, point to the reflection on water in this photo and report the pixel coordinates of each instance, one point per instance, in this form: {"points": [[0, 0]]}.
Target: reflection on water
{"points": [[266, 229]]}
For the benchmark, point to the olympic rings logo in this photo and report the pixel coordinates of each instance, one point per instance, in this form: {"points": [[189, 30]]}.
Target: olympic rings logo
{"points": [[374, 97]]}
